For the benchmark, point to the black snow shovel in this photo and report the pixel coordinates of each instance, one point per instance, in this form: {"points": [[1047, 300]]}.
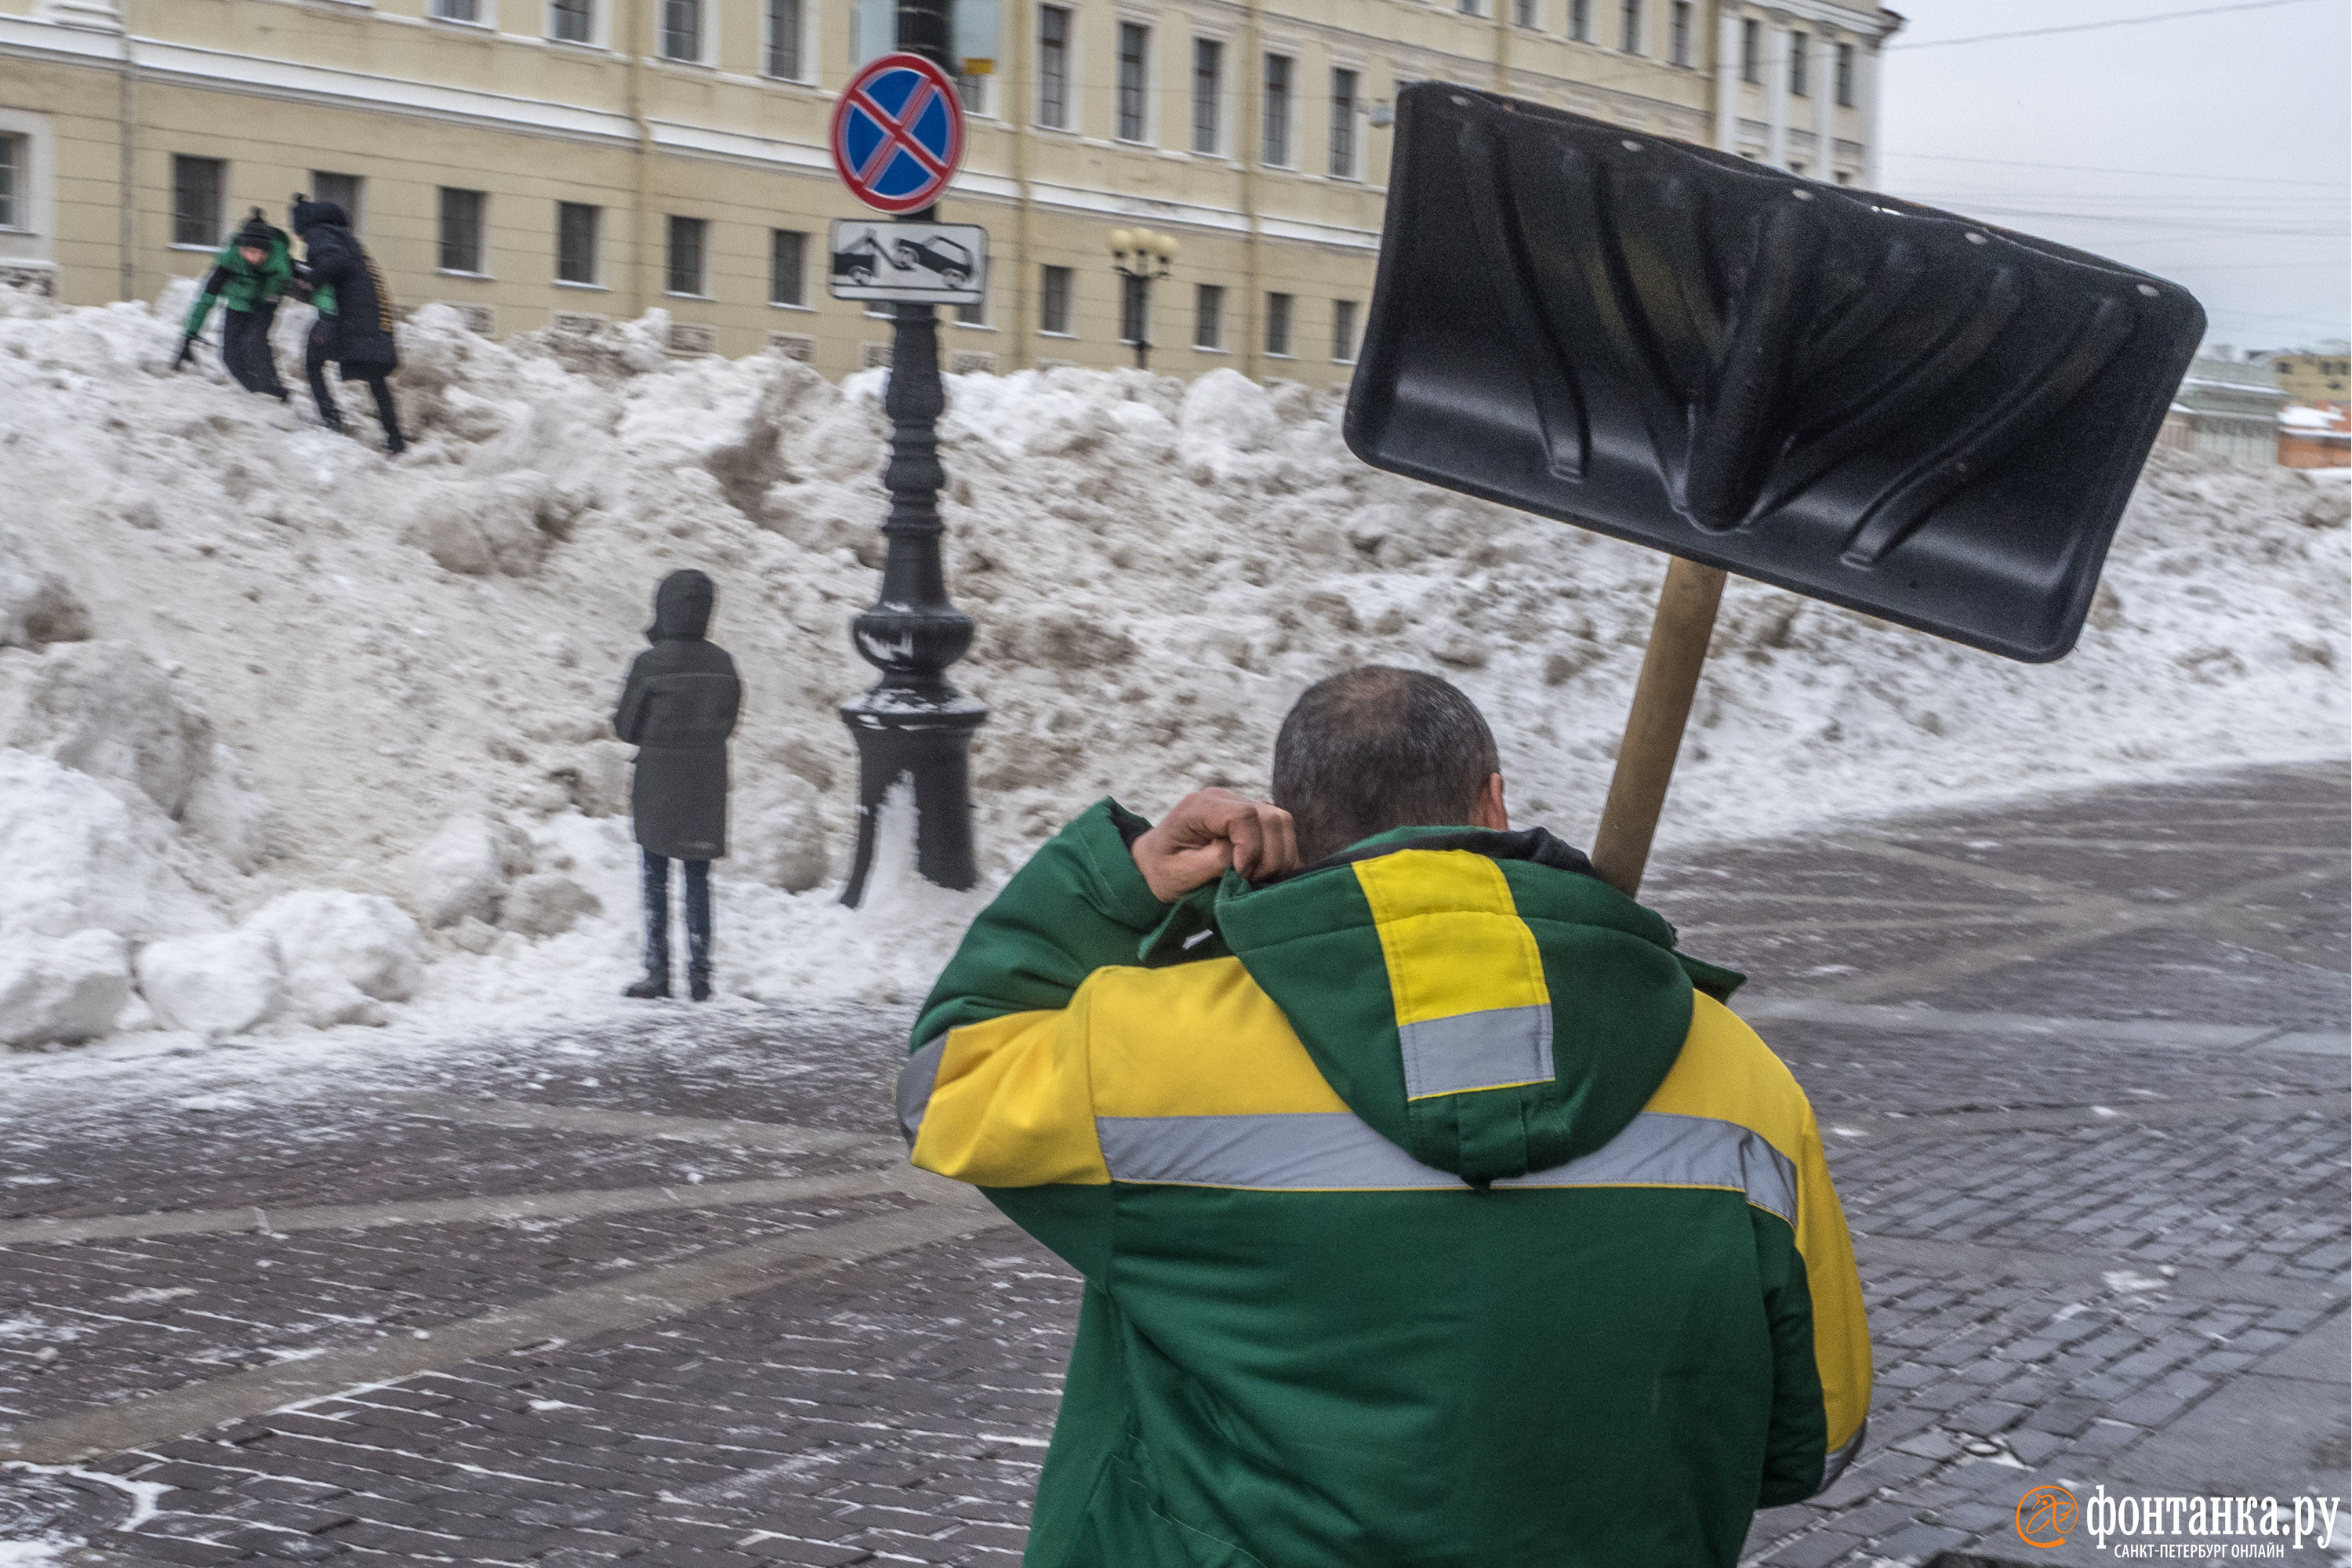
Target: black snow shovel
{"points": [[1852, 397]]}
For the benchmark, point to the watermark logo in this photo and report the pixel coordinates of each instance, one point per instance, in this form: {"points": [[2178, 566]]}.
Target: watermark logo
{"points": [[2044, 1515]]}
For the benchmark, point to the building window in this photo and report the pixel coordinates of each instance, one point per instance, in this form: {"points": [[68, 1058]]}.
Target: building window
{"points": [[688, 237], [1525, 13], [343, 190], [457, 10], [681, 29], [196, 185], [1846, 76], [1054, 68], [1845, 177], [785, 39], [1209, 316], [1277, 150], [1751, 50], [1134, 310], [1678, 33], [1629, 26], [1343, 125], [576, 242], [12, 181], [569, 21], [1797, 42], [1054, 300], [1343, 331], [787, 267], [1134, 52], [1277, 325], [1468, 7], [1207, 87], [1580, 20], [973, 93], [973, 313], [461, 230]]}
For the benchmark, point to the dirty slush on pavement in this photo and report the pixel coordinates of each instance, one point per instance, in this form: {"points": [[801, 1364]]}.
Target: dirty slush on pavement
{"points": [[668, 1291]]}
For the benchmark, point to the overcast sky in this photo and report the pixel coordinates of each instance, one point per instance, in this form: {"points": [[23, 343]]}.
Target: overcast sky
{"points": [[2237, 127]]}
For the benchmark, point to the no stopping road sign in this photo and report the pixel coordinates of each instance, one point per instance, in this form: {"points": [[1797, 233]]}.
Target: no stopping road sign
{"points": [[897, 134]]}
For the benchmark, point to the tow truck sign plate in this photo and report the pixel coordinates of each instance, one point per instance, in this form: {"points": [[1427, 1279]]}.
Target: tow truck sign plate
{"points": [[925, 263]]}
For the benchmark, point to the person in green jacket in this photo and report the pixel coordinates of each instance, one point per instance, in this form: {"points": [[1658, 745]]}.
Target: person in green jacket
{"points": [[1434, 1210], [249, 278]]}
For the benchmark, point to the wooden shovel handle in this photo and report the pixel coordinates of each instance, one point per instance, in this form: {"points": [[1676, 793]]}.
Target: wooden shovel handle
{"points": [[1654, 730]]}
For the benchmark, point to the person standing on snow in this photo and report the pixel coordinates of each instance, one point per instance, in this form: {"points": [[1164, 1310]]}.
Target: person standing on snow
{"points": [[249, 276], [677, 709], [354, 324], [1431, 1207]]}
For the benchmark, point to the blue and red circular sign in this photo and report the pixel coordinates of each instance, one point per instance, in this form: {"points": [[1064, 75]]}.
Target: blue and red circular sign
{"points": [[897, 134]]}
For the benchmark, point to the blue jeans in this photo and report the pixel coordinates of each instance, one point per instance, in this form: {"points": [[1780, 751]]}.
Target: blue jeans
{"points": [[697, 914]]}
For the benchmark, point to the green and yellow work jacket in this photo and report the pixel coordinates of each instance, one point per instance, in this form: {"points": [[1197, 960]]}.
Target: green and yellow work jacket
{"points": [[1433, 1211]]}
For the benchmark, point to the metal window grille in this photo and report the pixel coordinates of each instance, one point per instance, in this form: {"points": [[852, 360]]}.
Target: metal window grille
{"points": [[1277, 150], [1277, 324], [1343, 125], [1054, 68], [1134, 310], [196, 186], [1208, 316], [570, 20], [1134, 45], [1678, 33], [12, 180], [1208, 83], [681, 29], [1629, 26], [1343, 331], [1751, 50], [1054, 300], [787, 267], [461, 230], [1797, 42], [784, 38], [1846, 76], [687, 237], [343, 190], [576, 242], [1580, 20]]}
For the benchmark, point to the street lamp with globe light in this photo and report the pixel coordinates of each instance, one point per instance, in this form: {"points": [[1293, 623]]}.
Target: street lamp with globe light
{"points": [[1140, 257]]}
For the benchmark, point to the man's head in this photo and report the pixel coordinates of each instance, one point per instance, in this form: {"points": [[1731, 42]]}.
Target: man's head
{"points": [[253, 239], [1376, 748]]}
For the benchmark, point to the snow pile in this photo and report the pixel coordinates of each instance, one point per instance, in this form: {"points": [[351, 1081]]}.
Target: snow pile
{"points": [[293, 736]]}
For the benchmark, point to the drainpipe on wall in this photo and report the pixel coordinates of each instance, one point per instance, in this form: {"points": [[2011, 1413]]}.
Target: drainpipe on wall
{"points": [[1251, 133], [1021, 108], [1727, 81], [126, 238], [641, 261]]}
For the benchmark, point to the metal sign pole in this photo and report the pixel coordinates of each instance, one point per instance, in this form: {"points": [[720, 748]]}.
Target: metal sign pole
{"points": [[913, 726]]}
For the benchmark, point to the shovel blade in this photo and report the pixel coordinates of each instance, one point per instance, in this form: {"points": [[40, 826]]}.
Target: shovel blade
{"points": [[1886, 406]]}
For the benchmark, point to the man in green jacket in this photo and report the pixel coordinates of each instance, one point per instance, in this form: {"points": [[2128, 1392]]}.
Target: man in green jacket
{"points": [[1433, 1211], [249, 278]]}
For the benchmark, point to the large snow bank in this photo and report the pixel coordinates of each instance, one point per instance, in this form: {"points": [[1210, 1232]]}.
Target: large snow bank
{"points": [[241, 657]]}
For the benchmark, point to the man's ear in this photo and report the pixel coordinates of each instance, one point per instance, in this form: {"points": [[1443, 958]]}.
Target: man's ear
{"points": [[1490, 811]]}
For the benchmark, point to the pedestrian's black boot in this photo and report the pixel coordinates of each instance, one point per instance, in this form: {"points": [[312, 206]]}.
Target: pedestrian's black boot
{"points": [[697, 985], [652, 987], [395, 443]]}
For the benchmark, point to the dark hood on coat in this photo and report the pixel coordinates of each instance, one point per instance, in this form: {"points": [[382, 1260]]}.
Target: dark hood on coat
{"points": [[308, 214], [681, 606]]}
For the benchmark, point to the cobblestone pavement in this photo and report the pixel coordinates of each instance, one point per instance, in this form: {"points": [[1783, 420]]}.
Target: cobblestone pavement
{"points": [[663, 1291]]}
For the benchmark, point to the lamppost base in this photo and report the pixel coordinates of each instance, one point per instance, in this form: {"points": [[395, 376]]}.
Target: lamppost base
{"points": [[928, 743]]}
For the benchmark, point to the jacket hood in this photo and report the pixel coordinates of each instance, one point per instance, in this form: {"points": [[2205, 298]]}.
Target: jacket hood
{"points": [[308, 214], [1480, 998], [681, 606]]}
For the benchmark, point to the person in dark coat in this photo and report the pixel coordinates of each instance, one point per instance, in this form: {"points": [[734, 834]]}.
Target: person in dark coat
{"points": [[249, 276], [354, 324], [678, 710]]}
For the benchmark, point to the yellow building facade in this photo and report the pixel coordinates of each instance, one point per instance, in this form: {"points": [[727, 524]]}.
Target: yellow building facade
{"points": [[560, 162]]}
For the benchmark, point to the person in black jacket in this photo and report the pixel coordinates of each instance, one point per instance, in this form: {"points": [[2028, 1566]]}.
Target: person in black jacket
{"points": [[677, 709], [354, 324]]}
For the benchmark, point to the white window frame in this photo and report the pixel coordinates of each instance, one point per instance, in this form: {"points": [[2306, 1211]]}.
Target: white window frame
{"points": [[598, 23], [1074, 53], [1290, 136], [707, 25], [595, 279], [1150, 107], [486, 14], [1223, 98], [1356, 116], [33, 237], [810, 12]]}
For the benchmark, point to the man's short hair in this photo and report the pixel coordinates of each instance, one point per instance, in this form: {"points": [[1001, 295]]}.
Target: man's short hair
{"points": [[1375, 748]]}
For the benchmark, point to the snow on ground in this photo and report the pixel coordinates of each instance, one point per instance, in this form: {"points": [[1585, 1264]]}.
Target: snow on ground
{"points": [[292, 736]]}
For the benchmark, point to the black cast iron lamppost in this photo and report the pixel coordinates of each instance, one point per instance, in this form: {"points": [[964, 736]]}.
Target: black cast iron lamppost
{"points": [[913, 727], [1141, 257]]}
